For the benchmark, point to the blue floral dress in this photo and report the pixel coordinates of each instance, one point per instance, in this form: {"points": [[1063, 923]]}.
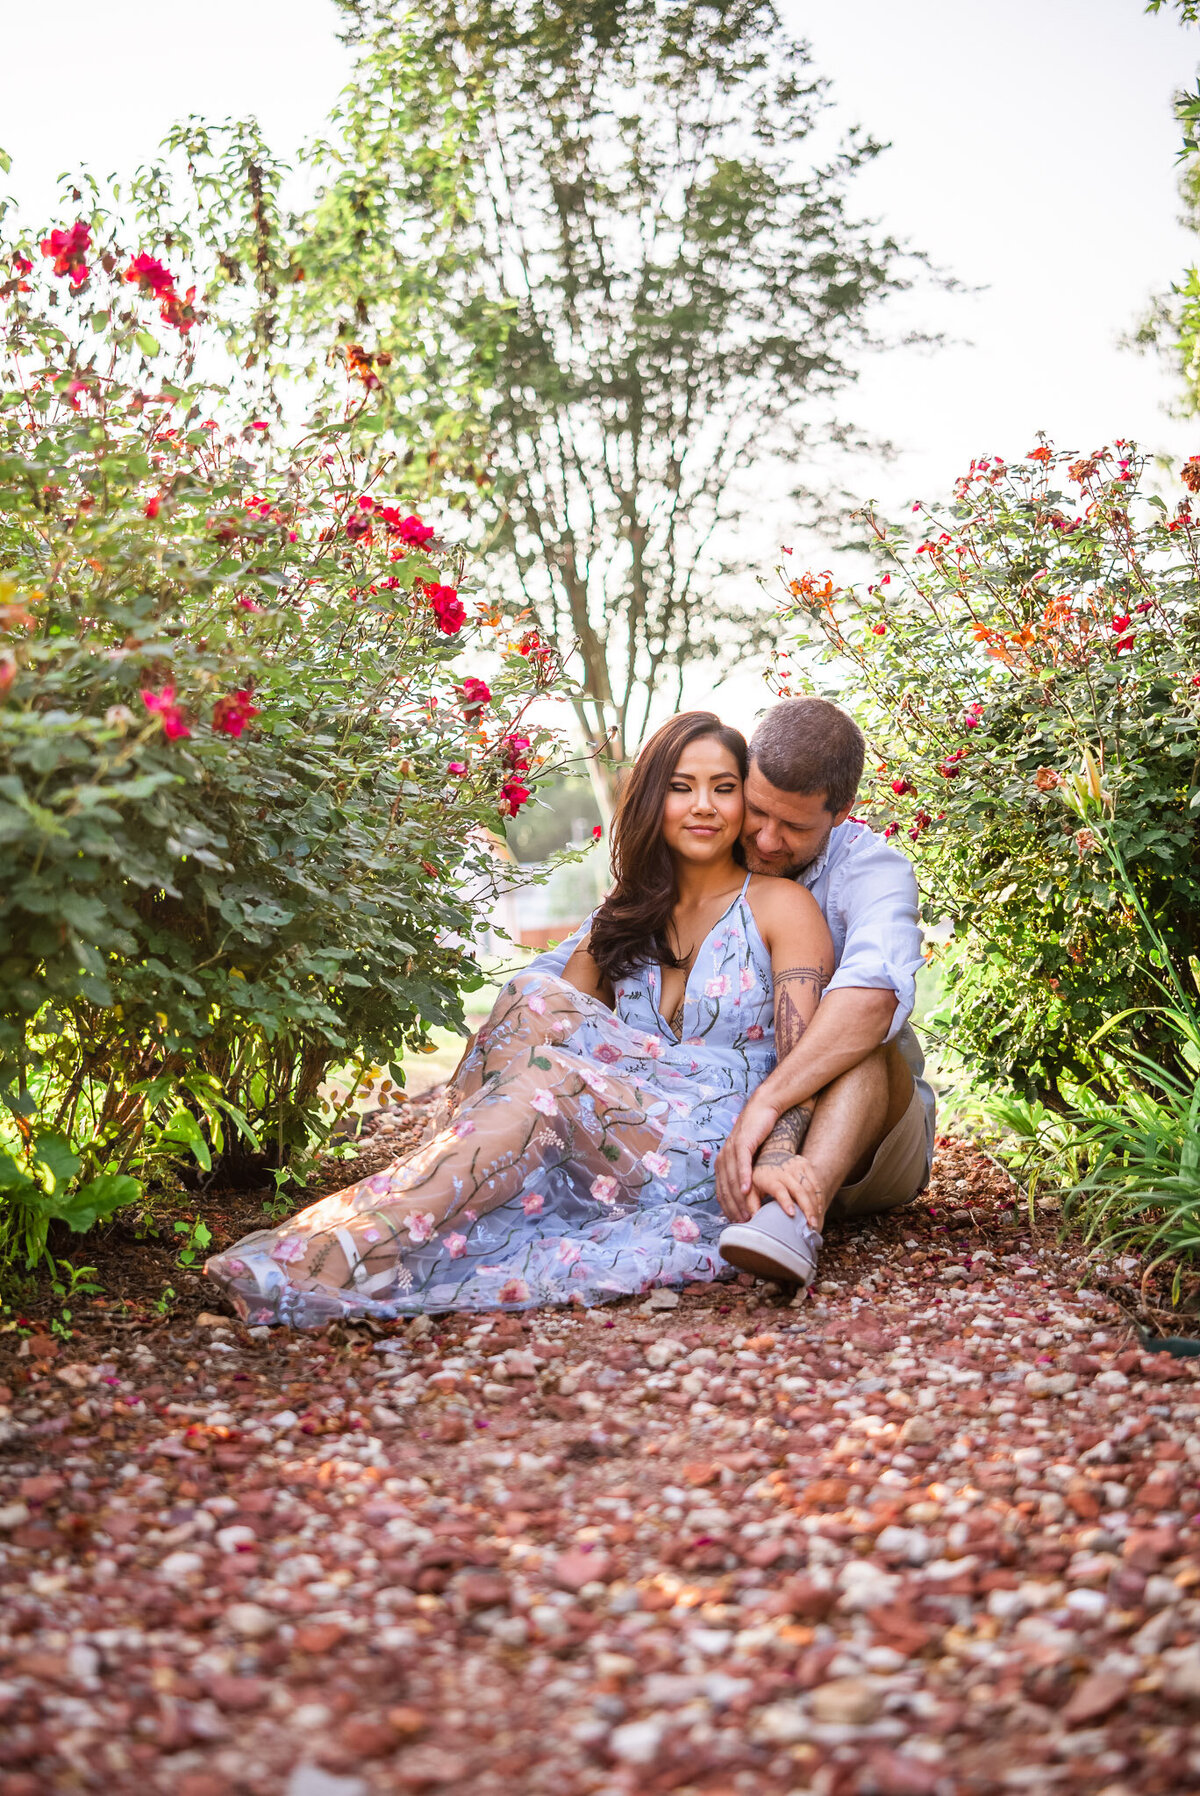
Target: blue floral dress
{"points": [[572, 1160]]}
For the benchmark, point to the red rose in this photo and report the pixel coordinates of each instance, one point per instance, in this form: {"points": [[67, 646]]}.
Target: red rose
{"points": [[447, 608], [163, 704], [149, 275], [233, 711], [474, 694], [69, 250]]}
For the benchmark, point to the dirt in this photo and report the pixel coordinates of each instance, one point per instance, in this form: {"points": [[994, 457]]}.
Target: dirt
{"points": [[932, 1529]]}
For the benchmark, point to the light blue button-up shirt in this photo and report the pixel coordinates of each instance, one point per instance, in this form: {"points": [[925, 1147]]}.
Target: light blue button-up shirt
{"points": [[867, 891]]}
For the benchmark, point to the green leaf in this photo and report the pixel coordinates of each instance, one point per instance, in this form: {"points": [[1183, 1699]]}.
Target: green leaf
{"points": [[53, 1163], [91, 1203], [149, 346], [182, 1130]]}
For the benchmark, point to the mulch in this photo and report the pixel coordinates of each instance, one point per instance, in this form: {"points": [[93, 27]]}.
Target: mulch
{"points": [[932, 1529]]}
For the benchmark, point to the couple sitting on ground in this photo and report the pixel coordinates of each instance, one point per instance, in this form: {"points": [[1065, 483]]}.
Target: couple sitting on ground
{"points": [[717, 1061]]}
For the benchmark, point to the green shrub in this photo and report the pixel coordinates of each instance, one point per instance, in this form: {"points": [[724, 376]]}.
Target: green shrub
{"points": [[1049, 612], [246, 751]]}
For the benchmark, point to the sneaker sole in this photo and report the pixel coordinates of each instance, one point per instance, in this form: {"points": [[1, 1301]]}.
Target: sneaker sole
{"points": [[752, 1259]]}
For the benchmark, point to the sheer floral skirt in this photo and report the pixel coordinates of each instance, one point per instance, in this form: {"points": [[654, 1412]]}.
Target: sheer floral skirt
{"points": [[561, 1167]]}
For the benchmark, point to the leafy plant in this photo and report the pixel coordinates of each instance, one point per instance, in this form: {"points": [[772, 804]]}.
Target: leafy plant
{"points": [[197, 1240], [243, 767], [1048, 614]]}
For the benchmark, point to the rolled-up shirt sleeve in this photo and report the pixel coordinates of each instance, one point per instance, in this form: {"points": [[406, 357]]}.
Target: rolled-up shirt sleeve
{"points": [[883, 948]]}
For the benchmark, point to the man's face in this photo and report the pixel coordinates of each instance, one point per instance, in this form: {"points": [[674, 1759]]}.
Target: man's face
{"points": [[784, 832]]}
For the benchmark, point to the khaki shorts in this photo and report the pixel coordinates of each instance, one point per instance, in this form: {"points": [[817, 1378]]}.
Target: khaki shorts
{"points": [[898, 1173]]}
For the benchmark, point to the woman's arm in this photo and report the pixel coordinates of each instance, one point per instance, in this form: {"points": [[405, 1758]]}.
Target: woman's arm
{"points": [[582, 972]]}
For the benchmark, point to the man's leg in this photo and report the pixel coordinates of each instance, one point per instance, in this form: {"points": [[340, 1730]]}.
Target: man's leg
{"points": [[853, 1116], [851, 1120]]}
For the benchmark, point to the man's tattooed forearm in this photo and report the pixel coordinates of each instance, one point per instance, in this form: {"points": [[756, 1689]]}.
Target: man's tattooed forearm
{"points": [[786, 1138]]}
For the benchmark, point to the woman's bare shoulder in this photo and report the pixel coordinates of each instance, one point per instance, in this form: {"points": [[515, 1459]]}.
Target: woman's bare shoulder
{"points": [[782, 902]]}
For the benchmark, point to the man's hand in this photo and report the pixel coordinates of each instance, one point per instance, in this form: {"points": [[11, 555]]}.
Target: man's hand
{"points": [[794, 1186], [736, 1159]]}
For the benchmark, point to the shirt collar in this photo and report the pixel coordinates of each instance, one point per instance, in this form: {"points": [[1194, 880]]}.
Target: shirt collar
{"points": [[845, 832], [808, 876]]}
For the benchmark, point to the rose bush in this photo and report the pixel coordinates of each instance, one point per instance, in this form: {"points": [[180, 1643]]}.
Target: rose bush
{"points": [[246, 748], [1047, 613]]}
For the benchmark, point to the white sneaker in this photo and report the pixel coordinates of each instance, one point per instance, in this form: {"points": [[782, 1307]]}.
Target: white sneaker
{"points": [[773, 1245]]}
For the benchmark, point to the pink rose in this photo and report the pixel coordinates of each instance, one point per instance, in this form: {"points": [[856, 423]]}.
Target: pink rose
{"points": [[533, 1203], [461, 1126], [657, 1164], [746, 980], [754, 1032], [717, 988], [606, 1052], [685, 1229], [514, 1290], [568, 1252], [456, 1246], [420, 1225], [543, 1101], [604, 1189], [292, 1248]]}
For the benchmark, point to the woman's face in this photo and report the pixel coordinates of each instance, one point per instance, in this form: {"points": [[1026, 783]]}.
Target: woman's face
{"points": [[702, 814]]}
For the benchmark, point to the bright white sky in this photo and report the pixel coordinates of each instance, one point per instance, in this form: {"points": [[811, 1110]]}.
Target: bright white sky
{"points": [[1033, 153]]}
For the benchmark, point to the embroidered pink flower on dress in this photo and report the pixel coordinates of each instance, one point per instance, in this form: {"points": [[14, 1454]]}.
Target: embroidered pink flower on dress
{"points": [[684, 1228], [604, 1189], [607, 1052], [537, 1005], [746, 980], [754, 1032], [420, 1225], [533, 1203], [656, 1164], [372, 1235], [652, 1046], [514, 1290], [290, 1249], [568, 1252], [456, 1246], [717, 988], [462, 1125], [543, 1101]]}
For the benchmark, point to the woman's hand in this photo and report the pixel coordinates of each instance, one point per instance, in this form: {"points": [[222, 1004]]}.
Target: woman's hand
{"points": [[794, 1186]]}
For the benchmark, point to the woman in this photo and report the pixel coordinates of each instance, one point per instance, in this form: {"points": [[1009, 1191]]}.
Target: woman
{"points": [[576, 1158]]}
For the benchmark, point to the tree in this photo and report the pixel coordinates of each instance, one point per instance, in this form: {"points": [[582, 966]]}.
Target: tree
{"points": [[637, 246], [1172, 326]]}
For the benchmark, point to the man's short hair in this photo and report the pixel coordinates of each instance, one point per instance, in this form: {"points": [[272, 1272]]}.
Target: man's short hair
{"points": [[807, 745]]}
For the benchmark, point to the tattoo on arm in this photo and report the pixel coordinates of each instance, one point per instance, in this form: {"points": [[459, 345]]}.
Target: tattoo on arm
{"points": [[786, 1138], [789, 1023]]}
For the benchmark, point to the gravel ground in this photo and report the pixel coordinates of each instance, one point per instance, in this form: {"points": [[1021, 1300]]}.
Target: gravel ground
{"points": [[930, 1530]]}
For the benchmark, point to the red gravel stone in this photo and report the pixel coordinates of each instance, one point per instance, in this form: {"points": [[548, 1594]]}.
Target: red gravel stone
{"points": [[859, 1496]]}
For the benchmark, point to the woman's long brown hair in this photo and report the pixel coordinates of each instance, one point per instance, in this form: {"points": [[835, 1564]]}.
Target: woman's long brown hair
{"points": [[630, 927]]}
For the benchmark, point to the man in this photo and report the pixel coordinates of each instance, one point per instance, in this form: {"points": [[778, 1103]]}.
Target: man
{"points": [[848, 1102], [844, 1125]]}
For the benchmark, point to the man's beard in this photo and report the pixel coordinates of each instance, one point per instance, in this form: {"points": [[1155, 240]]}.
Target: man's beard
{"points": [[776, 866]]}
